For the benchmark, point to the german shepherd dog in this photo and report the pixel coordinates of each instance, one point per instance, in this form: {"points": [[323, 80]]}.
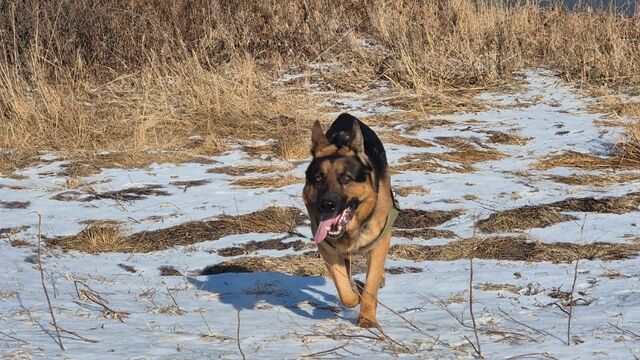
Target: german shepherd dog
{"points": [[348, 196]]}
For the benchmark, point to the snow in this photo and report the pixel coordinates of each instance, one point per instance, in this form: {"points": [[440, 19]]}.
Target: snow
{"points": [[285, 316]]}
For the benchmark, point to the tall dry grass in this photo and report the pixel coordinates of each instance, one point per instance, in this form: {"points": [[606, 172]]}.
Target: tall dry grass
{"points": [[78, 76]]}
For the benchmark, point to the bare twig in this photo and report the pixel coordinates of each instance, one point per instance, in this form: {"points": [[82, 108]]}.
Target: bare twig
{"points": [[473, 318], [625, 331], [13, 337], [541, 332], [44, 287], [573, 286], [544, 355], [325, 352], [76, 335], [179, 311], [95, 298], [238, 335]]}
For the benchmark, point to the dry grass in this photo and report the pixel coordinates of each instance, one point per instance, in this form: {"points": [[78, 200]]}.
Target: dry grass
{"points": [[595, 180], [417, 219], [98, 238], [500, 248], [267, 181], [514, 248], [395, 138], [242, 170], [579, 160], [533, 216], [410, 190], [80, 77], [498, 137]]}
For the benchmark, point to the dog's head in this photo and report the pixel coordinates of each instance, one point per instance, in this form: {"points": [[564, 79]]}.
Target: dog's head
{"points": [[340, 189]]}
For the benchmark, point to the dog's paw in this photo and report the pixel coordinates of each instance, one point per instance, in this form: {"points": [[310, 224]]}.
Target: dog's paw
{"points": [[367, 323]]}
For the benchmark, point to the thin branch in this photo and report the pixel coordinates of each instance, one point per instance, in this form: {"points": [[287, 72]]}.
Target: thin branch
{"points": [[238, 335], [325, 352], [473, 318], [180, 311], [573, 286], [76, 335], [625, 331], [541, 332], [13, 338], [44, 287]]}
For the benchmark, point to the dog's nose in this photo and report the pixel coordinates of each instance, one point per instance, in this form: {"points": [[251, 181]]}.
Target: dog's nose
{"points": [[327, 206]]}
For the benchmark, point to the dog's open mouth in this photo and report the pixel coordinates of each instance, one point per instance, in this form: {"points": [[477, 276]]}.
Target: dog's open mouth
{"points": [[334, 226]]}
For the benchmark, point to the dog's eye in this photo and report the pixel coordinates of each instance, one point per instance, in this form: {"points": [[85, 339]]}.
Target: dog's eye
{"points": [[347, 179], [317, 179]]}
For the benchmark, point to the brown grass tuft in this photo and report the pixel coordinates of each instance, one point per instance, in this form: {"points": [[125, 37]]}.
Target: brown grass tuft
{"points": [[409, 190], [514, 249], [595, 180], [395, 138], [267, 181], [416, 219], [242, 170], [108, 238], [579, 160], [533, 216], [498, 137]]}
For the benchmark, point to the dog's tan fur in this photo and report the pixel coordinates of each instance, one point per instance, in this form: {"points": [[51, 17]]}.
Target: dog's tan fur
{"points": [[364, 229]]}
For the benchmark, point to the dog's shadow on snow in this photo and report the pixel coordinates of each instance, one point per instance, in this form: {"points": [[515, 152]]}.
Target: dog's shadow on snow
{"points": [[256, 290]]}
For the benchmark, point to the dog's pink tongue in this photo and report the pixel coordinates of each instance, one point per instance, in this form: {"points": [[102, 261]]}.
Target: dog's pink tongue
{"points": [[323, 229]]}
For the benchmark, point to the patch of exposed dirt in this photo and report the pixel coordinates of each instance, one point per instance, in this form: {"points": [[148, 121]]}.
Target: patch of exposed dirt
{"points": [[70, 195], [169, 271], [273, 244], [109, 238], [129, 194], [536, 216], [14, 204], [487, 286], [416, 219]]}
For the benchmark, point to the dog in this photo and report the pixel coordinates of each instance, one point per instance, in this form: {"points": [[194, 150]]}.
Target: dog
{"points": [[351, 206]]}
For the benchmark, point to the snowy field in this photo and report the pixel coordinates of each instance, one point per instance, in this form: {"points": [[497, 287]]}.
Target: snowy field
{"points": [[520, 306]]}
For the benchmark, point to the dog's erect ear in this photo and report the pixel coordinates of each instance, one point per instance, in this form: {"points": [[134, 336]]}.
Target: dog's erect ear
{"points": [[356, 143], [318, 138]]}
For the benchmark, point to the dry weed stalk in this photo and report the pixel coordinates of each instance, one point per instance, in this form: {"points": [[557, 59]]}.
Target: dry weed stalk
{"points": [[573, 286], [85, 292], [44, 287], [476, 347]]}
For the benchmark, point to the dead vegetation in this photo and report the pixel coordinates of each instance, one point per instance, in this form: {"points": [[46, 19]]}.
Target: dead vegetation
{"points": [[243, 170], [14, 204], [395, 138], [498, 248], [273, 244], [579, 160], [514, 249], [411, 190], [267, 181], [600, 180], [465, 155], [499, 137], [99, 238], [193, 76], [532, 216], [129, 194], [416, 219]]}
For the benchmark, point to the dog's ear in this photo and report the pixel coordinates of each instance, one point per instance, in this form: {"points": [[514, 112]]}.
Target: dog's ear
{"points": [[356, 143], [318, 138]]}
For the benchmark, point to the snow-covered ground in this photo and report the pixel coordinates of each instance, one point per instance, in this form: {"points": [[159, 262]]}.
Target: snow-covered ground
{"points": [[424, 314]]}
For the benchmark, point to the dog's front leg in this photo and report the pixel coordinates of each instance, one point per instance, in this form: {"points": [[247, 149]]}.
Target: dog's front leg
{"points": [[375, 276], [341, 277]]}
